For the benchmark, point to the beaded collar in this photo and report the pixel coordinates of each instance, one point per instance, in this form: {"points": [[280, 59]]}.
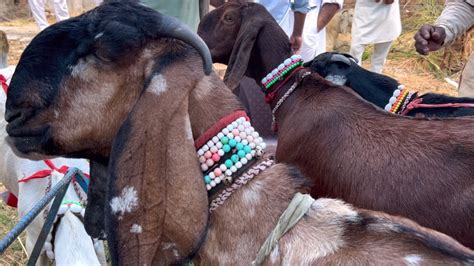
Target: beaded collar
{"points": [[232, 143], [281, 71], [398, 100]]}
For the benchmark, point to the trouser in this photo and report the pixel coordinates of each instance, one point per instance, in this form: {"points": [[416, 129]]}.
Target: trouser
{"points": [[466, 85], [378, 58], [37, 8]]}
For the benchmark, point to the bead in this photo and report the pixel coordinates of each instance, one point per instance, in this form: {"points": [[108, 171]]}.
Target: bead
{"points": [[228, 172], [212, 175], [263, 145], [210, 162], [214, 149], [227, 147], [216, 157], [208, 154], [210, 144], [230, 127], [225, 131], [295, 57], [200, 152], [224, 140], [401, 87], [220, 135], [274, 72], [241, 154], [213, 183], [281, 66], [238, 139], [217, 172], [392, 100], [228, 163], [208, 187], [396, 92], [250, 139], [239, 146], [269, 76], [244, 161], [235, 132], [248, 131], [242, 135], [255, 134], [215, 139], [388, 107], [235, 124], [238, 165], [223, 167], [230, 136], [264, 80], [217, 180], [221, 152], [204, 167], [248, 156], [247, 149], [202, 159], [247, 124], [287, 62], [207, 179], [233, 169], [252, 145], [219, 145], [235, 158], [245, 142], [232, 143], [253, 152], [256, 141], [241, 128]]}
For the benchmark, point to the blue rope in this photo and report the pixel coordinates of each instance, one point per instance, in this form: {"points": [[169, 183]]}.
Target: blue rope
{"points": [[83, 181], [59, 189]]}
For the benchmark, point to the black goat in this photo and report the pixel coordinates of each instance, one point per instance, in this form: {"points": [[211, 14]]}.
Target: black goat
{"points": [[343, 69]]}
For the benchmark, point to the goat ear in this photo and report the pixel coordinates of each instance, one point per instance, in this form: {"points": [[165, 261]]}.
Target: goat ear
{"points": [[240, 56], [157, 200]]}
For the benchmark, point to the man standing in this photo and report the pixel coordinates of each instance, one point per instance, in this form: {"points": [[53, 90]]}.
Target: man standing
{"points": [[375, 22], [38, 6], [457, 17]]}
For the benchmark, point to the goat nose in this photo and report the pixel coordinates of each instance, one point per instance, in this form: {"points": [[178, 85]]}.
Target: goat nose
{"points": [[12, 115]]}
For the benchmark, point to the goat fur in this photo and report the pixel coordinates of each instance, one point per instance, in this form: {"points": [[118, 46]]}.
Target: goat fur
{"points": [[157, 209], [349, 149], [72, 245]]}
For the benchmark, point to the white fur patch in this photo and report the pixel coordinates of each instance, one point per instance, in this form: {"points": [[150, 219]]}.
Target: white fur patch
{"points": [[413, 259], [136, 229], [126, 202], [203, 88], [158, 85], [337, 79], [84, 70]]}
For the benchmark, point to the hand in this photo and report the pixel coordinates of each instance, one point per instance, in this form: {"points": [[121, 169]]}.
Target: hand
{"points": [[296, 41], [429, 38]]}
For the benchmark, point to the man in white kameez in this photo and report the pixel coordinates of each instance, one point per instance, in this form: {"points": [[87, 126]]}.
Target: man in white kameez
{"points": [[457, 17], [375, 22], [38, 9]]}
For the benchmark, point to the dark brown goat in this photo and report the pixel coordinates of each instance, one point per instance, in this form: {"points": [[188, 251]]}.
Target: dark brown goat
{"points": [[421, 169]]}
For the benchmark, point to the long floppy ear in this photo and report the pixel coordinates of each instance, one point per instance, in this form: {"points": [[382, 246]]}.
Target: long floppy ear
{"points": [[158, 206], [240, 56]]}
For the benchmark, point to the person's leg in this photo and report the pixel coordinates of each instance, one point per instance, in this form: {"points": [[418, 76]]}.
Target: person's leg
{"points": [[380, 54], [356, 51], [37, 9], [60, 10], [466, 85]]}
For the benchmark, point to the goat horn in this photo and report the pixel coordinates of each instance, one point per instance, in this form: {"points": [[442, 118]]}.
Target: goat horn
{"points": [[173, 28], [340, 58]]}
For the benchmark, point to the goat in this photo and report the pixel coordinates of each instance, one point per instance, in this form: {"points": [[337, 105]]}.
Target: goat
{"points": [[157, 206], [378, 89], [341, 23], [346, 146], [71, 245]]}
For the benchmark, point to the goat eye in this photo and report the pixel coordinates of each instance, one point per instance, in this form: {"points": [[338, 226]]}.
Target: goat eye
{"points": [[101, 57], [228, 19]]}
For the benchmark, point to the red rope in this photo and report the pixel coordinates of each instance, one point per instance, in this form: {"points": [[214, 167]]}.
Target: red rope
{"points": [[47, 172], [417, 103], [222, 123], [3, 81], [269, 97]]}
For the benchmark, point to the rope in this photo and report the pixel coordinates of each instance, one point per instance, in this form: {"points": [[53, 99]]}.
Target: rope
{"points": [[417, 103], [239, 182], [295, 211]]}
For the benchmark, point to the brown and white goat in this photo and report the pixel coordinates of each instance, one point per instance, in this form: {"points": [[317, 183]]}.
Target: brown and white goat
{"points": [[418, 168], [142, 117]]}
